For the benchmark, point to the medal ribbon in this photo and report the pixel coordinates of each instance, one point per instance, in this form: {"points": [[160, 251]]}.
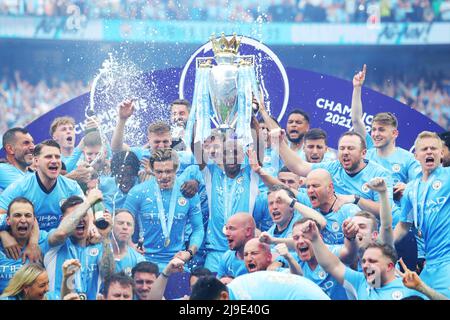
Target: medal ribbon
{"points": [[166, 224]]}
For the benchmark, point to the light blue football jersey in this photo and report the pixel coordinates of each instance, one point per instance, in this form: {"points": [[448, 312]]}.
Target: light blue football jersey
{"points": [[358, 289], [46, 203], [231, 265], [142, 202]]}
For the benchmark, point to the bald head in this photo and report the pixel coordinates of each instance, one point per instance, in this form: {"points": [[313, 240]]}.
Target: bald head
{"points": [[320, 174], [257, 255], [239, 228], [320, 189], [242, 219]]}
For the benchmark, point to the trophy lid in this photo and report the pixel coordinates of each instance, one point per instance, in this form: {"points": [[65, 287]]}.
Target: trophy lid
{"points": [[223, 46]]}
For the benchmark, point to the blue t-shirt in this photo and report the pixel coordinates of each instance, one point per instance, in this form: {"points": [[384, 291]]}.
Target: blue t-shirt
{"points": [[9, 267], [231, 265], [272, 285], [142, 202], [46, 203], [346, 184], [128, 262], [87, 279], [241, 193], [9, 174], [401, 164], [429, 202], [319, 276], [358, 289]]}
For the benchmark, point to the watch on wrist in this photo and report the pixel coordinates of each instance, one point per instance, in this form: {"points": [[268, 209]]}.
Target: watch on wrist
{"points": [[191, 253], [292, 204], [357, 198]]}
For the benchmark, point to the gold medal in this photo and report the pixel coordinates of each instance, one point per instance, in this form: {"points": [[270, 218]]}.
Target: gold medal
{"points": [[166, 243]]}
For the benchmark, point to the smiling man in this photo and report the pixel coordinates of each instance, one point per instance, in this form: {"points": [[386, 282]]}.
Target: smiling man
{"points": [[19, 146], [46, 188]]}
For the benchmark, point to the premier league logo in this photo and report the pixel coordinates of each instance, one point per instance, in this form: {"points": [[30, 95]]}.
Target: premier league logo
{"points": [[437, 185]]}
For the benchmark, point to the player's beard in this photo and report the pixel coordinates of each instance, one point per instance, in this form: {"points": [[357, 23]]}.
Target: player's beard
{"points": [[295, 140]]}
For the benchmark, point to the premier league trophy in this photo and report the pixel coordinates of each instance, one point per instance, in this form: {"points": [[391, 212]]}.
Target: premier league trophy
{"points": [[224, 88]]}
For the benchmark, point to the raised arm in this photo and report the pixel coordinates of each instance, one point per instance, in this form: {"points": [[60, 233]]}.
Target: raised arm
{"points": [[364, 204], [126, 109], [386, 235], [357, 109], [401, 230], [107, 262], [412, 280], [349, 252], [69, 267], [294, 163], [305, 211], [69, 224], [327, 260], [294, 267], [159, 286], [269, 122]]}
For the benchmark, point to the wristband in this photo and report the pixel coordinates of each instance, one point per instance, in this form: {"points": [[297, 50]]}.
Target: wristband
{"points": [[350, 239], [292, 202], [357, 198], [191, 253], [164, 275]]}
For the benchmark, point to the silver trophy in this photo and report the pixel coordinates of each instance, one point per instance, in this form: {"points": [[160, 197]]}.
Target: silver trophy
{"points": [[223, 79]]}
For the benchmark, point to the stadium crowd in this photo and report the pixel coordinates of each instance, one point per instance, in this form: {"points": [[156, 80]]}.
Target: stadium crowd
{"points": [[321, 11], [283, 218]]}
